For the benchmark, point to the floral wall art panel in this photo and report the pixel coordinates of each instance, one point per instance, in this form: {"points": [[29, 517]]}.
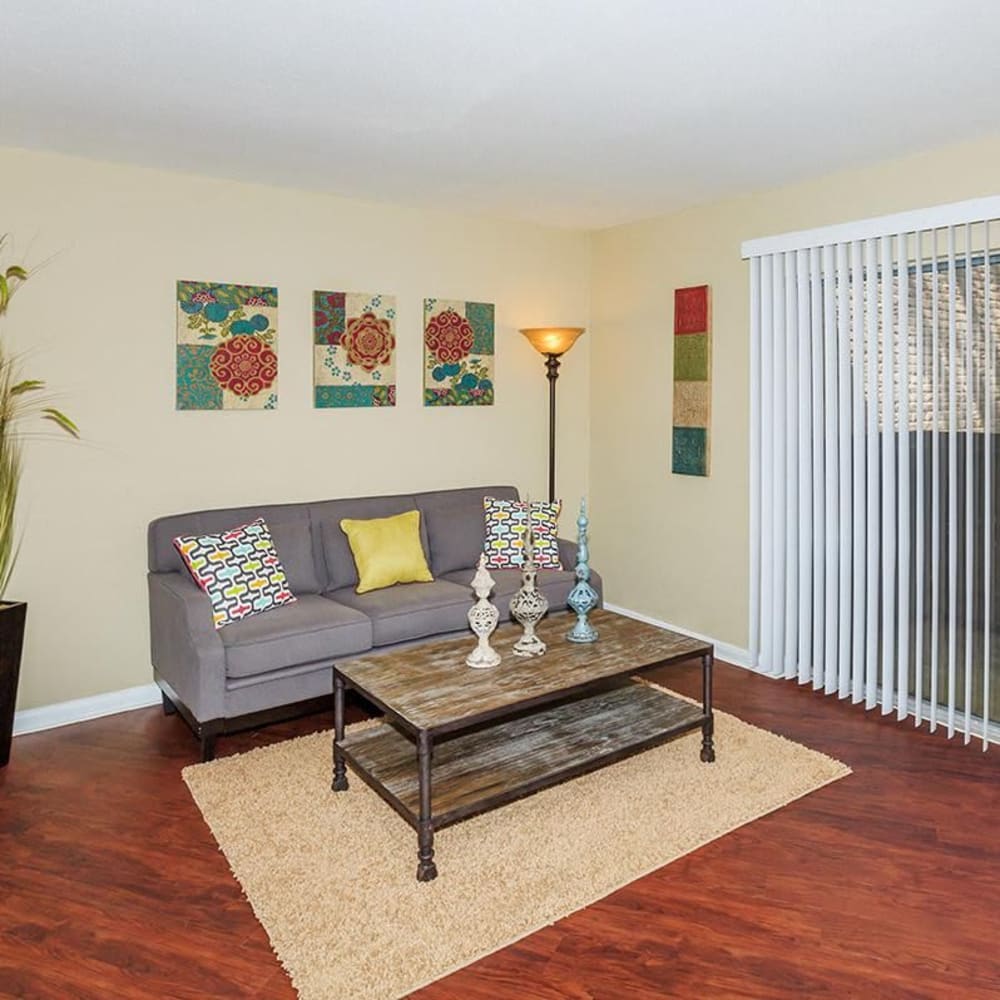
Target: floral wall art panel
{"points": [[692, 381], [354, 349], [458, 353], [227, 346]]}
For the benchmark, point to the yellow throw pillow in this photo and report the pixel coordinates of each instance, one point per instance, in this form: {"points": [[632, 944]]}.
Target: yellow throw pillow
{"points": [[387, 550]]}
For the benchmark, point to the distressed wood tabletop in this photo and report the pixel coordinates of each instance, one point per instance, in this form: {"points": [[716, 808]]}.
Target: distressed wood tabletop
{"points": [[430, 687]]}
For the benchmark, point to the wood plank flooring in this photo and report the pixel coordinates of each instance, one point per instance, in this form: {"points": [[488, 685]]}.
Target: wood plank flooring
{"points": [[883, 885]]}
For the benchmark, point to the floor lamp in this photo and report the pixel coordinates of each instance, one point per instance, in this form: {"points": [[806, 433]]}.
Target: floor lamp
{"points": [[553, 342]]}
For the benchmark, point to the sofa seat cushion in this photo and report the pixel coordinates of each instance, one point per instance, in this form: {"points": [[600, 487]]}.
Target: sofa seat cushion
{"points": [[411, 610], [554, 583], [310, 630]]}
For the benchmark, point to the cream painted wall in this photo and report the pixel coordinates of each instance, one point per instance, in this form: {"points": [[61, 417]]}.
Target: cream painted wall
{"points": [[676, 547], [98, 320]]}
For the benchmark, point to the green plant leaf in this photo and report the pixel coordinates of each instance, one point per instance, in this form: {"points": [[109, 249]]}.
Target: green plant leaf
{"points": [[13, 273], [18, 401], [28, 385], [62, 420], [10, 478]]}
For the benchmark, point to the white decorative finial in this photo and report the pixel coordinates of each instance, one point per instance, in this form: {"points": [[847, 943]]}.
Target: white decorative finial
{"points": [[483, 618], [482, 582], [529, 604]]}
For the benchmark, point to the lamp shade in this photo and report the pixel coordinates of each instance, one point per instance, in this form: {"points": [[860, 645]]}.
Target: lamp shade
{"points": [[553, 339]]}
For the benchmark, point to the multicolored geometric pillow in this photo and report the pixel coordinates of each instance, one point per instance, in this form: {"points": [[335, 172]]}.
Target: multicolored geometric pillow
{"points": [[506, 530], [238, 569]]}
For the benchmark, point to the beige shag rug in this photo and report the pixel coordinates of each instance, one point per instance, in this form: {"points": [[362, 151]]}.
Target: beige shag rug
{"points": [[331, 876]]}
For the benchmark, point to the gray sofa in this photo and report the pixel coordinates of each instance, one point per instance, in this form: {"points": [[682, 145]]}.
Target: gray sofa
{"points": [[277, 664]]}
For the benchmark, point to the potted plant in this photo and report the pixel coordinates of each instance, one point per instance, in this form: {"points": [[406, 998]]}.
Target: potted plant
{"points": [[20, 398]]}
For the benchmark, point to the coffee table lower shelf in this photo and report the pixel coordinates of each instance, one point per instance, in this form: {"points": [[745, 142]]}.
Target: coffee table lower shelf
{"points": [[489, 767]]}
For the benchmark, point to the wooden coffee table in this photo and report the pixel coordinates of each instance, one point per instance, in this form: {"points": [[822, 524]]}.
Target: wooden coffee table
{"points": [[457, 741]]}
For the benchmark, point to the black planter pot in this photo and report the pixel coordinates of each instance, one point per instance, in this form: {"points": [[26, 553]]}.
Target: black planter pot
{"points": [[12, 618]]}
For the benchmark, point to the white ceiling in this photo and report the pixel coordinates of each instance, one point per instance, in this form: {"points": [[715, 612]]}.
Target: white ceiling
{"points": [[581, 113]]}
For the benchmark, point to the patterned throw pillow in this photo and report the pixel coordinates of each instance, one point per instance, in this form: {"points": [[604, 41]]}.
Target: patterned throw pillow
{"points": [[238, 569], [506, 529]]}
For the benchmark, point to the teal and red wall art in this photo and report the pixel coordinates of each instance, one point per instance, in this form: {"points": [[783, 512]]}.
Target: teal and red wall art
{"points": [[458, 353], [692, 381], [354, 349], [227, 349], [227, 346]]}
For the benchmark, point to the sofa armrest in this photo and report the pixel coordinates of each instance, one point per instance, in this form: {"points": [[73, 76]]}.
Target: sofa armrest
{"points": [[185, 647]]}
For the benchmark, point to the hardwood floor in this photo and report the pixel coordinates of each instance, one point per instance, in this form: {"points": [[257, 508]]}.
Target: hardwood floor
{"points": [[883, 885]]}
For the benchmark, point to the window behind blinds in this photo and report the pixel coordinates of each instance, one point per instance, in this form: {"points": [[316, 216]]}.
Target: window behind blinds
{"points": [[874, 483]]}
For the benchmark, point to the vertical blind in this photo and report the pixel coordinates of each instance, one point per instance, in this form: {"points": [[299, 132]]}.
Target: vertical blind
{"points": [[874, 463]]}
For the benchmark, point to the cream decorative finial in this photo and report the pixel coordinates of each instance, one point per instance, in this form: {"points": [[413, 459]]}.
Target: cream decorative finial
{"points": [[483, 618]]}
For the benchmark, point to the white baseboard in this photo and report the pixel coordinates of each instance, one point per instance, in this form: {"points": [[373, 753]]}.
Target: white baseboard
{"points": [[723, 650], [65, 713]]}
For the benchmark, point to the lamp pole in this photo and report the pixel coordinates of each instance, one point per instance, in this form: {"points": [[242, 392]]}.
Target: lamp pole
{"points": [[552, 342], [552, 373]]}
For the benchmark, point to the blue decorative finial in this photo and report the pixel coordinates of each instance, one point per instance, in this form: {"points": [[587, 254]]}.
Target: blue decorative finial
{"points": [[582, 598]]}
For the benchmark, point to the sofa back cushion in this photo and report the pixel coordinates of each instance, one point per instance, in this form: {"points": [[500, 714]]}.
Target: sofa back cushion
{"points": [[313, 548], [293, 540], [290, 528], [339, 568], [456, 525]]}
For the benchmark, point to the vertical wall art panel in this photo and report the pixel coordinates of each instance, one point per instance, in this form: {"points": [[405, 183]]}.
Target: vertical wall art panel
{"points": [[458, 353], [354, 349], [692, 381], [227, 346]]}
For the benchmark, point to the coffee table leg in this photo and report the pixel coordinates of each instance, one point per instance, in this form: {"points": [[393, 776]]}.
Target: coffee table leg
{"points": [[708, 726], [426, 869], [339, 768]]}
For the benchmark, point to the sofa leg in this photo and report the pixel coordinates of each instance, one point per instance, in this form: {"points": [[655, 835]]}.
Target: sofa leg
{"points": [[206, 737], [169, 708]]}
